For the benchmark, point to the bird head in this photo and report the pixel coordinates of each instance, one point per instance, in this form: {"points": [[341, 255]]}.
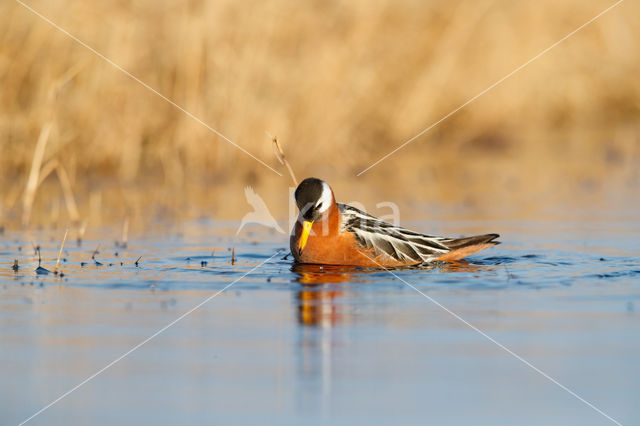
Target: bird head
{"points": [[313, 197]]}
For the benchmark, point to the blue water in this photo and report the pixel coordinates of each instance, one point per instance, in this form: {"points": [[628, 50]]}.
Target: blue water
{"points": [[287, 344]]}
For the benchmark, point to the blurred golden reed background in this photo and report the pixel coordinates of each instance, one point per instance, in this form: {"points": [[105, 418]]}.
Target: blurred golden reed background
{"points": [[341, 83]]}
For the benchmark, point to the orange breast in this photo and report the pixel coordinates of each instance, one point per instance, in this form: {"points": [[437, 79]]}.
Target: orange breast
{"points": [[332, 247]]}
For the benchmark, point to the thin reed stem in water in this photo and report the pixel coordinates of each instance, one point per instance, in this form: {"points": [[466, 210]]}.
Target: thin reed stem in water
{"points": [[64, 239]]}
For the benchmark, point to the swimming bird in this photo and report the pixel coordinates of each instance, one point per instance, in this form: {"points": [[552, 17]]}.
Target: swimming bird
{"points": [[331, 233]]}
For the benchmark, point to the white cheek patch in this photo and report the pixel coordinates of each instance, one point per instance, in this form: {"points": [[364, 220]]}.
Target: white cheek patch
{"points": [[326, 198]]}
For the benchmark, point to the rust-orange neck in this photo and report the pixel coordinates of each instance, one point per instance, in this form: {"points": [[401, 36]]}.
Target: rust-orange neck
{"points": [[329, 225]]}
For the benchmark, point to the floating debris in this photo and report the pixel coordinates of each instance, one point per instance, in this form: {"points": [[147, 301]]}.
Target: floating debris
{"points": [[137, 261], [203, 263], [233, 256], [96, 251], [15, 266], [40, 270], [93, 256]]}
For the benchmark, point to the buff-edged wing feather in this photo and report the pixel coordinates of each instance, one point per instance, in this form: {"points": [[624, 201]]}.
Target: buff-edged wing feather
{"points": [[463, 247], [399, 243], [404, 245]]}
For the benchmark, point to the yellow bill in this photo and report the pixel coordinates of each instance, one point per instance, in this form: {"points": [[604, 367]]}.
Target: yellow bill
{"points": [[306, 229]]}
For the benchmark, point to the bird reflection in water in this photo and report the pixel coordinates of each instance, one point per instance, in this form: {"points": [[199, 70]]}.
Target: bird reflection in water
{"points": [[316, 297], [319, 309], [318, 293], [317, 313]]}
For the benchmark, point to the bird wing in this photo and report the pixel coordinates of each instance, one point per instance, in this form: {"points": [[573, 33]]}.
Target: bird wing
{"points": [[399, 243]]}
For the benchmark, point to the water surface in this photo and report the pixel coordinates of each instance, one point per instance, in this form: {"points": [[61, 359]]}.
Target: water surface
{"points": [[294, 344]]}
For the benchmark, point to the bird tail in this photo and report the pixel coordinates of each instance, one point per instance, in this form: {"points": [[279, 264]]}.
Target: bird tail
{"points": [[463, 247]]}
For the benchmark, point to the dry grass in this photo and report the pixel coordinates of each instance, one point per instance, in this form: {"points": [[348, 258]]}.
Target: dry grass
{"points": [[340, 83]]}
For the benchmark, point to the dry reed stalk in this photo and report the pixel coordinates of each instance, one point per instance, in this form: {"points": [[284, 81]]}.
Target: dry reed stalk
{"points": [[65, 184], [46, 170], [34, 173], [70, 202], [277, 149], [66, 77], [233, 256], [64, 239]]}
